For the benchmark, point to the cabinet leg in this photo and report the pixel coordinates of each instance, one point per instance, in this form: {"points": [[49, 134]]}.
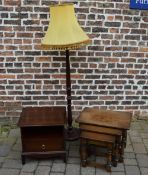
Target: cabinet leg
{"points": [[84, 162], [23, 159], [65, 158]]}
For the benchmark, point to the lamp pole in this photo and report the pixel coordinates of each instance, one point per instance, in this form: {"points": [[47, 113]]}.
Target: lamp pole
{"points": [[68, 89], [71, 132]]}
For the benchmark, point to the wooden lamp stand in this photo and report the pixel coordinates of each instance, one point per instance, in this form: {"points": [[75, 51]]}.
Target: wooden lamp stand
{"points": [[71, 132]]}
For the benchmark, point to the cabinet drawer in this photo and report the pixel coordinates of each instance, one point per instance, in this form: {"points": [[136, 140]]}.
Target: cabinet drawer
{"points": [[42, 139], [42, 145]]}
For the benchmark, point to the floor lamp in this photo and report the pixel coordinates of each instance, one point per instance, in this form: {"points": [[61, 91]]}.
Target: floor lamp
{"points": [[65, 33]]}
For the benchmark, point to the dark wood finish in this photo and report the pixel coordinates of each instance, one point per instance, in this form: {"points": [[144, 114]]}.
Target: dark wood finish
{"points": [[68, 88], [118, 151], [71, 132], [98, 139], [42, 132], [99, 129], [107, 119], [42, 116]]}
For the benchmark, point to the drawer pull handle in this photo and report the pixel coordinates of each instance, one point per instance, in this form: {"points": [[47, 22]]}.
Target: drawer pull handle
{"points": [[43, 147]]}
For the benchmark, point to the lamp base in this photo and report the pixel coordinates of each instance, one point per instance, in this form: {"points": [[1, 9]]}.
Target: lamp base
{"points": [[72, 134]]}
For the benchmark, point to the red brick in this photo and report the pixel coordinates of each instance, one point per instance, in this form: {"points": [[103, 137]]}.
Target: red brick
{"points": [[27, 41], [43, 59], [12, 3], [9, 76], [25, 47], [38, 47], [8, 41], [25, 76], [6, 28], [25, 35], [17, 41], [133, 71], [110, 18], [106, 98], [113, 30], [93, 66], [6, 53], [143, 49], [11, 47], [114, 60]]}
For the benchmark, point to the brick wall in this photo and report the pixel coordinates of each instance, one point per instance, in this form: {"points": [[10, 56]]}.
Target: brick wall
{"points": [[110, 73]]}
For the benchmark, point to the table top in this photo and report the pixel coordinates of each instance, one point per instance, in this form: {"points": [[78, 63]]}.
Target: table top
{"points": [[105, 118], [97, 137], [42, 116]]}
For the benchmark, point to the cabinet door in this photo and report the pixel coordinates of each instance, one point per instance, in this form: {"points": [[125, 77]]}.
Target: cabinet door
{"points": [[42, 139]]}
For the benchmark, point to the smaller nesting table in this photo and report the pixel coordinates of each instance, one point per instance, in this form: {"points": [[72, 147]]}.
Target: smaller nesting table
{"points": [[42, 132]]}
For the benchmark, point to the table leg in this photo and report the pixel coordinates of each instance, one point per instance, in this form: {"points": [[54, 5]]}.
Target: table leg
{"points": [[123, 145], [109, 160], [83, 152], [116, 151], [125, 138]]}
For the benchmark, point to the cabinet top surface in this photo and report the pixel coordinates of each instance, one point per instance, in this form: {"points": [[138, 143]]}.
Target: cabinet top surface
{"points": [[42, 116], [106, 118]]}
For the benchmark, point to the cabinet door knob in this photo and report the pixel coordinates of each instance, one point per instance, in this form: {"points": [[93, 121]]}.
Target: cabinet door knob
{"points": [[43, 147]]}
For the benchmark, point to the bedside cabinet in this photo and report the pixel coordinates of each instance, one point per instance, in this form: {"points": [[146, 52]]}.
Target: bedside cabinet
{"points": [[42, 132]]}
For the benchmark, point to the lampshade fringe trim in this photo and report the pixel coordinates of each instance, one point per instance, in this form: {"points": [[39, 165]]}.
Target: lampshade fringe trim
{"points": [[67, 46]]}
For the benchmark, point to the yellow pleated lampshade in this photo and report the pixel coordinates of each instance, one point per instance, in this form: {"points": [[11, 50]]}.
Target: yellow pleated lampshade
{"points": [[64, 31]]}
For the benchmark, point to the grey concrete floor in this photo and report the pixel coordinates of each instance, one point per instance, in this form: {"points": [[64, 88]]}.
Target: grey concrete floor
{"points": [[135, 161]]}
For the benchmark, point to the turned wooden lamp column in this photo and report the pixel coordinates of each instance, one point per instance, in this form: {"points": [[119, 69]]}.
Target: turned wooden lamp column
{"points": [[65, 33]]}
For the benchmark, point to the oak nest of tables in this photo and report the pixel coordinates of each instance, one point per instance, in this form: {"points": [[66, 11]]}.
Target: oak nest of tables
{"points": [[104, 128]]}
